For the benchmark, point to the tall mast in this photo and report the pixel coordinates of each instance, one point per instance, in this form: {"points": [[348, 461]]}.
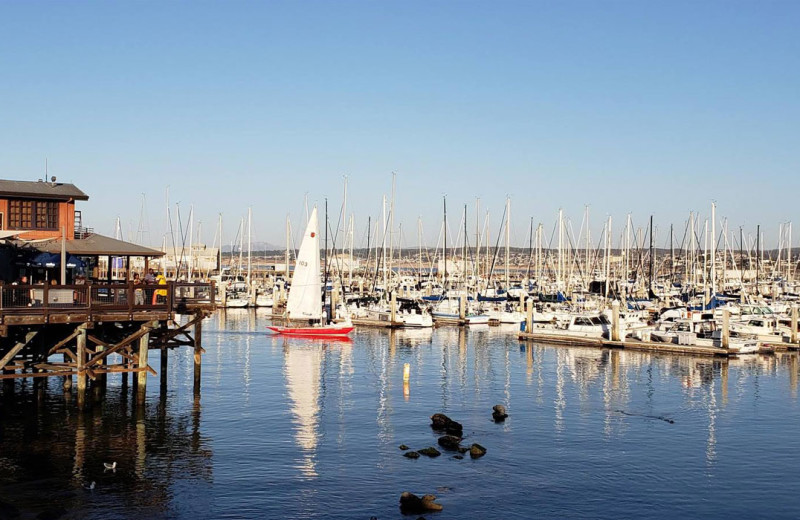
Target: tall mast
{"points": [[444, 205], [288, 245], [539, 256], [608, 256], [693, 275], [325, 274], [758, 257], [477, 237], [713, 248], [350, 264], [465, 250], [586, 253], [383, 244], [530, 251], [671, 254], [508, 239], [419, 245], [391, 230], [249, 248], [560, 233], [650, 286]]}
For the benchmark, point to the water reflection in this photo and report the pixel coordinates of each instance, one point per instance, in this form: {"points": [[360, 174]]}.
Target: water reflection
{"points": [[315, 423], [51, 452]]}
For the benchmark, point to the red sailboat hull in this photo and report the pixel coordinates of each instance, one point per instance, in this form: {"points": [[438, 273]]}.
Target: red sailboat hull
{"points": [[325, 331]]}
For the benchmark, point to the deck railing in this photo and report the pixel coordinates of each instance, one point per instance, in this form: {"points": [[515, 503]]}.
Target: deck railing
{"points": [[43, 298]]}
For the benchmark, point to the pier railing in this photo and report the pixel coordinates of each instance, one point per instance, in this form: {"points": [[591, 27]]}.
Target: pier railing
{"points": [[130, 297]]}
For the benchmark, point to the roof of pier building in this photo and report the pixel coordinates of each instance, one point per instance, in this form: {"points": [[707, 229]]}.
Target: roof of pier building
{"points": [[98, 245], [41, 190]]}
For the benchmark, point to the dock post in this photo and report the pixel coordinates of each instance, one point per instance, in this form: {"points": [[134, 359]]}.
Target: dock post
{"points": [[198, 354], [615, 332], [223, 287], [794, 325], [521, 307], [141, 376], [81, 354], [163, 371], [726, 328], [393, 303], [462, 308], [528, 316]]}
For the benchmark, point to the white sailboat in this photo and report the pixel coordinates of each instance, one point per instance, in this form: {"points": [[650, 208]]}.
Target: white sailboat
{"points": [[305, 295]]}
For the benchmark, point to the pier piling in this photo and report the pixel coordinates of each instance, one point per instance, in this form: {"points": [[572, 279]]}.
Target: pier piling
{"points": [[198, 354], [528, 315], [141, 376], [615, 328], [81, 361], [726, 328], [794, 325]]}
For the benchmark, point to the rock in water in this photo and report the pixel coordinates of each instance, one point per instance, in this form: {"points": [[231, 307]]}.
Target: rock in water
{"points": [[403, 447], [449, 442], [477, 451], [499, 413], [430, 452], [441, 422], [411, 454], [412, 504]]}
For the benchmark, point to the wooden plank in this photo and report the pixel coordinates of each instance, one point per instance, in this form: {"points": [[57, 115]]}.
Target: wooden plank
{"points": [[111, 349], [63, 342], [16, 348]]}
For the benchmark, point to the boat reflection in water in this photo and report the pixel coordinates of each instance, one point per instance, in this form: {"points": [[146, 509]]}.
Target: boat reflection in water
{"points": [[303, 362]]}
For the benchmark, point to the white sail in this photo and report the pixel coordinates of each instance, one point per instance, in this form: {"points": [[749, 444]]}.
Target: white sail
{"points": [[305, 295]]}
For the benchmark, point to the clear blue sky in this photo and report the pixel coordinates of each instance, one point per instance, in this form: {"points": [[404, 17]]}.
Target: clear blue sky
{"points": [[628, 106]]}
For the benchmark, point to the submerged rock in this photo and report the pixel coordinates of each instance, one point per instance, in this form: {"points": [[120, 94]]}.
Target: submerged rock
{"points": [[411, 454], [463, 449], [477, 451], [499, 413], [458, 457], [449, 442], [412, 504], [403, 447], [441, 422], [430, 452]]}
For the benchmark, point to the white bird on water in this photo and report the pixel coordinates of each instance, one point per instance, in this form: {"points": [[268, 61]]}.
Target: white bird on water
{"points": [[90, 487], [110, 466]]}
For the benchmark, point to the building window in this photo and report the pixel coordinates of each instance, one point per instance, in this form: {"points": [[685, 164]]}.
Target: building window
{"points": [[32, 214]]}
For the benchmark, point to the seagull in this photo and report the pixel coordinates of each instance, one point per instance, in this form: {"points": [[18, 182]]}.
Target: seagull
{"points": [[110, 466], [90, 487]]}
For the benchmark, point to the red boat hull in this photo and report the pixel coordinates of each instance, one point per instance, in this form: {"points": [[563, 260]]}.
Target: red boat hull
{"points": [[327, 331]]}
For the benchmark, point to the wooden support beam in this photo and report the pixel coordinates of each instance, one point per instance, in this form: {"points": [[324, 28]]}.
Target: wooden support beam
{"points": [[63, 342], [112, 349], [16, 349]]}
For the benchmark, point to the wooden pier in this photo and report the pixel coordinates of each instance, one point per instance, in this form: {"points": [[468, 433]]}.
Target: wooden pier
{"points": [[86, 324], [647, 346]]}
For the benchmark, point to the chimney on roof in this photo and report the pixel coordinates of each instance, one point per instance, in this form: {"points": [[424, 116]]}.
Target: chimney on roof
{"points": [[53, 180]]}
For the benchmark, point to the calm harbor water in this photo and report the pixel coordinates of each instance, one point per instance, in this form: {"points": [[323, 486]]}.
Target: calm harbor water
{"points": [[288, 428]]}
